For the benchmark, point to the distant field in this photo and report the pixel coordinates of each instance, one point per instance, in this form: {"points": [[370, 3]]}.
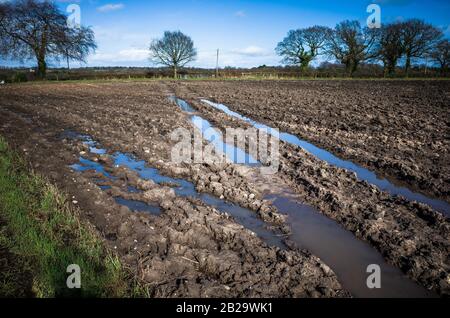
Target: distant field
{"points": [[266, 72]]}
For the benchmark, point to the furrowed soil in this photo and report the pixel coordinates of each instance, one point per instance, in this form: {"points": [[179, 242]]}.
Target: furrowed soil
{"points": [[190, 249], [410, 235], [397, 128]]}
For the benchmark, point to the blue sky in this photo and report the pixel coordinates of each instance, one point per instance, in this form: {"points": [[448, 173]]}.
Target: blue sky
{"points": [[246, 32]]}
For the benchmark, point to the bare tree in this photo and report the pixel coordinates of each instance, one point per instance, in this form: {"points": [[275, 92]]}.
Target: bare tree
{"points": [[76, 44], [418, 39], [174, 49], [351, 45], [38, 29], [301, 46], [390, 46], [441, 55]]}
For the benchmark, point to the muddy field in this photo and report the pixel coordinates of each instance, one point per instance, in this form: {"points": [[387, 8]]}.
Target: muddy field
{"points": [[190, 249], [397, 128], [225, 237]]}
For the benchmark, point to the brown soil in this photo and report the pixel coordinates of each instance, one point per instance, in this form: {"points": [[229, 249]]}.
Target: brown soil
{"points": [[409, 235], [398, 128], [191, 250]]}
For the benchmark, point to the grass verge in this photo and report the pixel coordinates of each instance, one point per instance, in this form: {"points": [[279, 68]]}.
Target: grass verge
{"points": [[41, 235]]}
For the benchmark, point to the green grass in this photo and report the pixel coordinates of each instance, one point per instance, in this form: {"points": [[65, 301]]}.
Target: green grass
{"points": [[40, 235]]}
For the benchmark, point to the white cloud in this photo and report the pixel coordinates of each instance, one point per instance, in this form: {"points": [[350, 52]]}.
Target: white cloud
{"points": [[207, 59], [240, 14], [251, 51], [119, 34], [134, 54], [247, 57], [126, 55], [110, 7]]}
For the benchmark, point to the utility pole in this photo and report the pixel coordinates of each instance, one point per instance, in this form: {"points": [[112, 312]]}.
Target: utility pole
{"points": [[217, 64]]}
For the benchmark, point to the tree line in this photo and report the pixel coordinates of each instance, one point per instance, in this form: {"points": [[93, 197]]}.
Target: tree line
{"points": [[351, 45], [34, 29]]}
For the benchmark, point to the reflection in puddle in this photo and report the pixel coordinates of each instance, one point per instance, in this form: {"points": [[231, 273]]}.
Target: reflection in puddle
{"points": [[183, 188], [182, 104], [362, 173], [89, 165], [132, 189], [211, 135], [86, 165], [215, 137], [340, 249], [343, 252], [139, 206]]}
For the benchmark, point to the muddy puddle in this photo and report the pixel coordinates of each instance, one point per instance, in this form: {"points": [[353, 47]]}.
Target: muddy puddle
{"points": [[361, 172], [134, 205], [348, 256], [214, 137], [182, 188], [182, 104]]}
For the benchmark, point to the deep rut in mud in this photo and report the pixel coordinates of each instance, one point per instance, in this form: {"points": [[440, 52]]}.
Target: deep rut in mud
{"points": [[348, 257], [182, 188], [361, 172], [396, 128]]}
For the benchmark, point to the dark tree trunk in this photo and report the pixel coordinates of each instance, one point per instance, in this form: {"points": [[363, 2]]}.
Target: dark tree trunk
{"points": [[407, 65], [42, 68], [348, 68], [175, 72], [385, 67], [304, 68], [354, 67], [391, 67], [301, 71], [41, 52]]}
